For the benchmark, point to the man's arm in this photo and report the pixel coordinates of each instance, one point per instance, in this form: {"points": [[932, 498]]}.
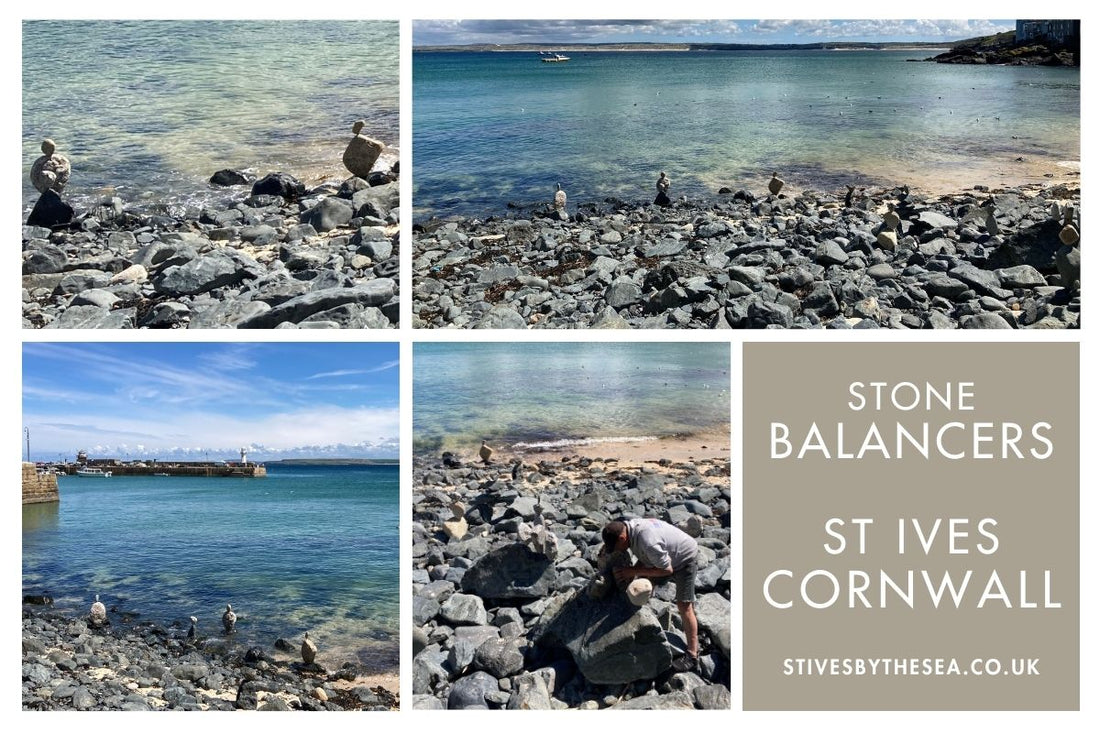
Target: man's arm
{"points": [[641, 571]]}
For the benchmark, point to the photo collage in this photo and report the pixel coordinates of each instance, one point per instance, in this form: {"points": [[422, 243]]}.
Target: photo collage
{"points": [[410, 364]]}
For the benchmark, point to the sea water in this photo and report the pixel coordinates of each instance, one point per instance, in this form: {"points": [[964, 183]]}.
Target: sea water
{"points": [[565, 393], [494, 128], [149, 109], [306, 548]]}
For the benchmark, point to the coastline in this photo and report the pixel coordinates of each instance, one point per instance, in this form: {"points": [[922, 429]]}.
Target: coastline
{"points": [[67, 665], [707, 444], [977, 257]]}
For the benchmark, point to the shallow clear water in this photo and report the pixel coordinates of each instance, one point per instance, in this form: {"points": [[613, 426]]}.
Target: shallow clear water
{"points": [[151, 109], [511, 393], [302, 549], [490, 128]]}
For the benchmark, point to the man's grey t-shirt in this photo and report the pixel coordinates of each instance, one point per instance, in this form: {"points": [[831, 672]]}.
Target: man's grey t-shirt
{"points": [[660, 545]]}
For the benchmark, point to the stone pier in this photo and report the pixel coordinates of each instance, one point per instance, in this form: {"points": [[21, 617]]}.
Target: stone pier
{"points": [[38, 488]]}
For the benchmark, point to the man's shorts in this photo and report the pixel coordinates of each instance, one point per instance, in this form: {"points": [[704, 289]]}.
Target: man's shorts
{"points": [[684, 578]]}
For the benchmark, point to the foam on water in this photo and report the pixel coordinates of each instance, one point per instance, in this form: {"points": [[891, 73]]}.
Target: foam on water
{"points": [[577, 442]]}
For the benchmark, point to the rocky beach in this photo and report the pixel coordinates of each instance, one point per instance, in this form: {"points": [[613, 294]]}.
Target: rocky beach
{"points": [[885, 258], [276, 255], [71, 664], [505, 559]]}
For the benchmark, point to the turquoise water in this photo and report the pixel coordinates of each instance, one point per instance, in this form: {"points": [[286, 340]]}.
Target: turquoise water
{"points": [[302, 549], [490, 128], [150, 109], [542, 393]]}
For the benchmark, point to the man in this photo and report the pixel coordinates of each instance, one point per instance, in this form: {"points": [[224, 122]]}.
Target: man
{"points": [[662, 551]]}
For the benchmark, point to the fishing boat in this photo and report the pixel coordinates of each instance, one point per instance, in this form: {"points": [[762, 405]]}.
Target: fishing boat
{"points": [[93, 472], [551, 58]]}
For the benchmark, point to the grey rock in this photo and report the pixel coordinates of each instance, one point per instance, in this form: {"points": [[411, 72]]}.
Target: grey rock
{"points": [[502, 316], [611, 641], [678, 700], [512, 571], [469, 693], [330, 213], [498, 657], [530, 692], [372, 293], [461, 608]]}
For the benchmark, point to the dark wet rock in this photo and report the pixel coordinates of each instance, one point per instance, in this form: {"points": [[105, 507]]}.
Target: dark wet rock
{"points": [[230, 177], [50, 211], [283, 185]]}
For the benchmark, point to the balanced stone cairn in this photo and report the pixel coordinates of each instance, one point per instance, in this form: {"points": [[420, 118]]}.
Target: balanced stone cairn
{"points": [[663, 184], [559, 199], [456, 527], [775, 185], [49, 175], [309, 649], [51, 171], [485, 453], [97, 616], [362, 152], [229, 619]]}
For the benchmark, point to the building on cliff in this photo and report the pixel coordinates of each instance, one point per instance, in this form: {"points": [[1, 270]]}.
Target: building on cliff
{"points": [[1055, 32]]}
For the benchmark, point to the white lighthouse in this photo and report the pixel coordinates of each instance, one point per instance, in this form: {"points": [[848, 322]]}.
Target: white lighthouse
{"points": [[244, 456]]}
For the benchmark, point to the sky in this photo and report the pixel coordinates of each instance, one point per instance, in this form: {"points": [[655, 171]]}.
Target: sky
{"points": [[455, 32], [196, 401]]}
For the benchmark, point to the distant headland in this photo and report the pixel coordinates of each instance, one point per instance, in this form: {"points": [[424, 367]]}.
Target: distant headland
{"points": [[337, 462], [611, 47], [1032, 43]]}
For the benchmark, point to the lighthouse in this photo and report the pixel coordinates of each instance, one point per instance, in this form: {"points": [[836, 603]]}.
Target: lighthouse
{"points": [[244, 456]]}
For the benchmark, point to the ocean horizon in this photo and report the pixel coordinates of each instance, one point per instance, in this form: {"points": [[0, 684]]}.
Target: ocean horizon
{"points": [[493, 129]]}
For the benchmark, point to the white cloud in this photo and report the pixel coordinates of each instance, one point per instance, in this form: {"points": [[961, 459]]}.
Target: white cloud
{"points": [[713, 31], [289, 430]]}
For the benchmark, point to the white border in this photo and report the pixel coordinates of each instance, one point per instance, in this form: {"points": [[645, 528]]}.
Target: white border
{"points": [[408, 720]]}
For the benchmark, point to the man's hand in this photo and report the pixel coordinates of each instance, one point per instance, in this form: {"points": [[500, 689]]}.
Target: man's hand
{"points": [[624, 574]]}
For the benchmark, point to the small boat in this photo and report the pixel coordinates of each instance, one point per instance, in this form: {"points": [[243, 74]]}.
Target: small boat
{"points": [[162, 474], [93, 472], [550, 58]]}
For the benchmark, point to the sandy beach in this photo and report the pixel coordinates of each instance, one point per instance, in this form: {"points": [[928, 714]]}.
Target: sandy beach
{"points": [[713, 443]]}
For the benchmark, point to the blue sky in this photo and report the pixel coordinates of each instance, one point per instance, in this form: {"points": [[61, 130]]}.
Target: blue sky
{"points": [[446, 32], [194, 400]]}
